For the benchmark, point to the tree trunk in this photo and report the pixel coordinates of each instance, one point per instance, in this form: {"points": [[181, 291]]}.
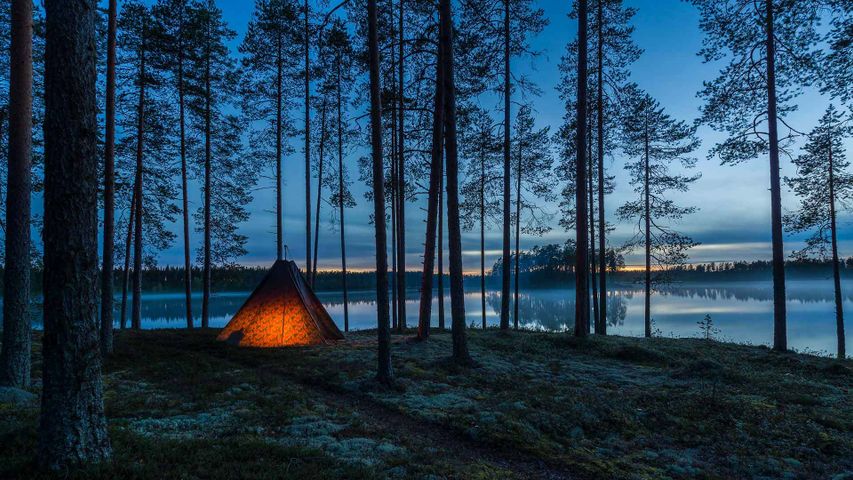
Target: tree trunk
{"points": [[393, 184], [384, 372], [836, 270], [72, 426], [483, 237], [108, 269], [780, 335], [441, 323], [457, 292], [136, 308], [435, 175], [592, 238], [188, 271], [506, 188], [205, 301], [279, 231], [126, 272], [647, 214], [341, 199], [307, 150], [601, 325], [321, 153], [15, 357], [582, 242], [401, 180], [518, 174]]}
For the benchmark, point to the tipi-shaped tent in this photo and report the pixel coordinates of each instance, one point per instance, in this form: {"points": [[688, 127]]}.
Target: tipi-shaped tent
{"points": [[282, 311]]}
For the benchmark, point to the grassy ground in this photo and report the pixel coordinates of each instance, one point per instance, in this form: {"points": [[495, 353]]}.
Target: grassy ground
{"points": [[538, 405]]}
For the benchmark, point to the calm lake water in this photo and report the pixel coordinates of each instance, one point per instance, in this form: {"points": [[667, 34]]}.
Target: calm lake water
{"points": [[741, 312]]}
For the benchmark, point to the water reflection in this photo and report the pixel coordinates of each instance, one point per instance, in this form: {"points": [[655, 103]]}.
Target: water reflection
{"points": [[743, 312]]}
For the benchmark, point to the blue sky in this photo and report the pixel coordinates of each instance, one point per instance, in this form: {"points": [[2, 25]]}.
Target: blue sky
{"points": [[734, 218]]}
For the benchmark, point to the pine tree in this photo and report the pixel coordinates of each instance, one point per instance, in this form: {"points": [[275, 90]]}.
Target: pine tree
{"points": [[836, 76], [178, 31], [480, 206], [823, 184], [768, 47], [581, 219], [657, 142], [72, 426], [146, 152], [15, 354], [270, 50], [533, 163], [224, 191], [108, 258], [384, 372]]}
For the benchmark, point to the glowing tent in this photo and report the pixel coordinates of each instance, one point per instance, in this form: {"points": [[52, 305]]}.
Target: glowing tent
{"points": [[282, 311]]}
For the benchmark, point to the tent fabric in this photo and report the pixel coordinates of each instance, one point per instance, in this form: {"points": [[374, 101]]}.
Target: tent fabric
{"points": [[282, 311]]}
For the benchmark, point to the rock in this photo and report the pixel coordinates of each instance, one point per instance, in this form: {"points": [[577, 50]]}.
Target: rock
{"points": [[16, 396]]}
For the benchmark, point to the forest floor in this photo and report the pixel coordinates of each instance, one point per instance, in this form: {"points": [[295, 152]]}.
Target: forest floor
{"points": [[536, 405]]}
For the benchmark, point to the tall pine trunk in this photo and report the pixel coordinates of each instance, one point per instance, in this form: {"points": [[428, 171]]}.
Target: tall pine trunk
{"points": [[401, 178], [435, 174], [780, 334], [108, 269], [384, 372], [15, 357], [518, 174], [457, 292], [72, 426], [393, 194], [582, 241], [188, 286], [441, 322], [483, 237], [307, 148], [506, 186], [341, 205], [647, 214], [205, 301], [601, 325], [321, 152], [279, 83], [136, 308], [592, 238], [126, 272], [836, 270]]}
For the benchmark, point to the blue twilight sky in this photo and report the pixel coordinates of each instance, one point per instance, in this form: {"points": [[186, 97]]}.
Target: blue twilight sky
{"points": [[734, 218]]}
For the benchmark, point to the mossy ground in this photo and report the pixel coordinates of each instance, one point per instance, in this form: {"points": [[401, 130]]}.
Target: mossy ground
{"points": [[536, 405]]}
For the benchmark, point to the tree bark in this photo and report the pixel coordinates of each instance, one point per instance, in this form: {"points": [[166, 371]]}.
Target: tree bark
{"points": [[647, 316], [136, 308], [441, 322], [483, 237], [393, 194], [592, 252], [601, 325], [581, 227], [72, 426], [506, 186], [518, 174], [126, 273], [435, 174], [341, 205], [384, 372], [401, 179], [321, 153], [307, 149], [780, 334], [15, 361], [205, 301], [279, 230], [457, 293], [188, 286], [836, 270], [108, 269]]}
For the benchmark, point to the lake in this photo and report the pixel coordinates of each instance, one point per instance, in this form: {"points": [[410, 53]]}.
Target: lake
{"points": [[741, 312]]}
